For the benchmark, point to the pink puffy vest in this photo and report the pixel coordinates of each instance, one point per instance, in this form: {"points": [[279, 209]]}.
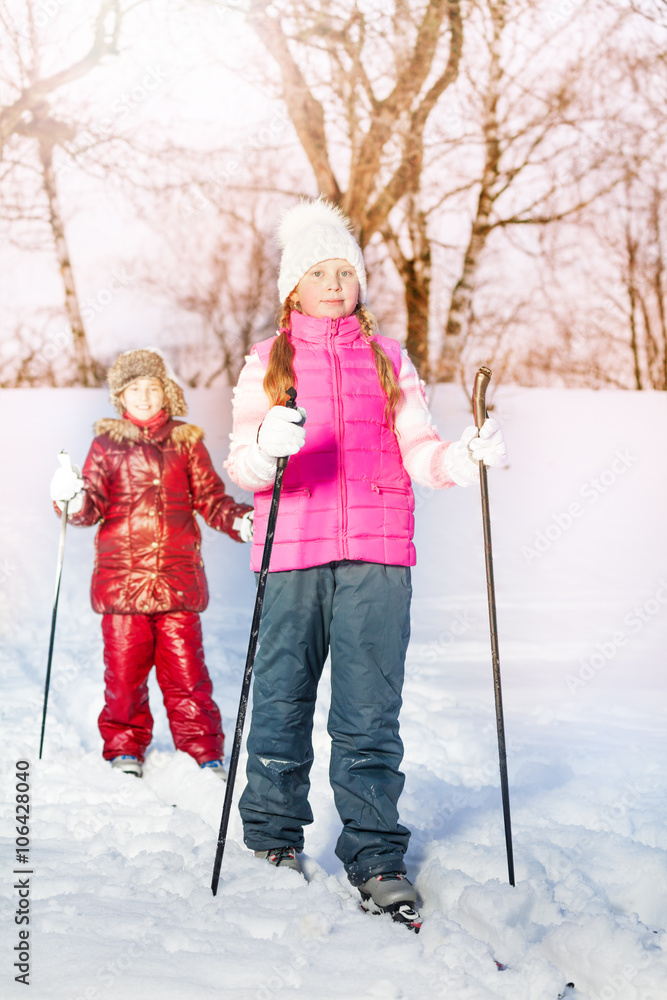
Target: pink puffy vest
{"points": [[346, 494]]}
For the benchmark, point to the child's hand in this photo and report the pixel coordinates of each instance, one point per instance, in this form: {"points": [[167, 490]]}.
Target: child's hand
{"points": [[280, 434], [245, 525], [462, 458], [67, 487], [490, 446]]}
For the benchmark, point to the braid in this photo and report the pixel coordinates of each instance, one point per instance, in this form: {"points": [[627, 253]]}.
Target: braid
{"points": [[385, 369], [284, 322], [280, 374]]}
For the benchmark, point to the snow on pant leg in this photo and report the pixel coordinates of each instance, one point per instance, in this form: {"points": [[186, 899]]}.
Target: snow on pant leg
{"points": [[370, 631], [294, 639], [194, 718], [126, 723]]}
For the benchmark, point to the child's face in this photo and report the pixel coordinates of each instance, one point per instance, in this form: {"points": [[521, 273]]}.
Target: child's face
{"points": [[143, 398], [329, 289]]}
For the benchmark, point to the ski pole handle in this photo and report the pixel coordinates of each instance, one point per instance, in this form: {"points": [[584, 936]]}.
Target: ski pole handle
{"points": [[65, 460], [482, 379], [291, 405]]}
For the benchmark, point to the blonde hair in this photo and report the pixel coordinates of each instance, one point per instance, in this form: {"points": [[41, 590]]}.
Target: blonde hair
{"points": [[280, 374]]}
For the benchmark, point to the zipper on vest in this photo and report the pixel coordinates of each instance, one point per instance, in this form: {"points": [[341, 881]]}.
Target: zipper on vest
{"points": [[297, 491], [383, 488], [340, 433]]}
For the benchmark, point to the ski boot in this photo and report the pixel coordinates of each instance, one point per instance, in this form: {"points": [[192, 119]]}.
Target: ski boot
{"points": [[391, 893], [282, 857], [128, 764], [217, 767]]}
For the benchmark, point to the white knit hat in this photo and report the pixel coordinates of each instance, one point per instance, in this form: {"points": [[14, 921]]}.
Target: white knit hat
{"points": [[311, 232]]}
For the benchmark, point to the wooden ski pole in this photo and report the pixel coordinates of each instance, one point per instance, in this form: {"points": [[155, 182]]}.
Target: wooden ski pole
{"points": [[479, 412]]}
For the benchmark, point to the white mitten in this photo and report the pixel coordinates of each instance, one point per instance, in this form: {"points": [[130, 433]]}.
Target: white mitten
{"points": [[67, 486], [462, 458], [280, 434], [245, 525], [490, 446]]}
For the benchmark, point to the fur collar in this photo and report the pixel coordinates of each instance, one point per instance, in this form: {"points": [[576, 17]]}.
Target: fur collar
{"points": [[121, 431]]}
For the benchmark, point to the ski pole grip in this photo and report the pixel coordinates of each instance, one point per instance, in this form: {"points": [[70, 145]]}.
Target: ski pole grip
{"points": [[65, 460], [291, 405], [482, 379]]}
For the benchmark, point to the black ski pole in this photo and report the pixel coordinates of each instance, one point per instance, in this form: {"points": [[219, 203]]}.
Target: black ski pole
{"points": [[250, 659], [479, 411], [64, 460]]}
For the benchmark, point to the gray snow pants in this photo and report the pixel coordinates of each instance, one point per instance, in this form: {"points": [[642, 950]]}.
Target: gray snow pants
{"points": [[361, 611]]}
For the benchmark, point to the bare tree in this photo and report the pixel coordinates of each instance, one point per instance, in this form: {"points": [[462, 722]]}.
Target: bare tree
{"points": [[220, 276], [542, 162], [616, 334], [368, 86], [601, 296], [366, 83], [30, 132], [32, 89], [368, 92]]}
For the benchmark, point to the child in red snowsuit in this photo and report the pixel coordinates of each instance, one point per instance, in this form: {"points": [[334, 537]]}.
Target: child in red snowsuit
{"points": [[145, 476]]}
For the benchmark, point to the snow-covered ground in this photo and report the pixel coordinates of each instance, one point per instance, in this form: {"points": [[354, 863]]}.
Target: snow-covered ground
{"points": [[120, 869]]}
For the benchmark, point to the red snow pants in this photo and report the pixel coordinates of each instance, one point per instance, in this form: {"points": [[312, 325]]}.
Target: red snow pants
{"points": [[171, 642]]}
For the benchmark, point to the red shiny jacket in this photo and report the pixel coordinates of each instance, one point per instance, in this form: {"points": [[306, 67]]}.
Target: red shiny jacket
{"points": [[144, 491]]}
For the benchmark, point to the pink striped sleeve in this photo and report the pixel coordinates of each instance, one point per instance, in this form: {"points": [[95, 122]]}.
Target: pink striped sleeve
{"points": [[422, 451], [245, 464]]}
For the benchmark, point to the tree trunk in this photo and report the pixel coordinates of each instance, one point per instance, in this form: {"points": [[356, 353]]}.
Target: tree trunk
{"points": [[630, 247], [460, 309], [87, 372], [658, 277], [417, 293], [415, 272]]}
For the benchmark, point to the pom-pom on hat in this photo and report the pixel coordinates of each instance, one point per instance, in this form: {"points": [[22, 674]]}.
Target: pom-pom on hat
{"points": [[311, 232], [145, 363]]}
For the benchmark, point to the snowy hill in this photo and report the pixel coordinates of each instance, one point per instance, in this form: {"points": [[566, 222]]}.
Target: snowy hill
{"points": [[120, 903]]}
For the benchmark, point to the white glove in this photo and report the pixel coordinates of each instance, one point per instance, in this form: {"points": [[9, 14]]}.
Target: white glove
{"points": [[67, 486], [462, 458], [245, 525], [280, 435]]}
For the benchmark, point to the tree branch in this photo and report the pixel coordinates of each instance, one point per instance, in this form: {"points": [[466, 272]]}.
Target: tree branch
{"points": [[304, 109], [104, 43]]}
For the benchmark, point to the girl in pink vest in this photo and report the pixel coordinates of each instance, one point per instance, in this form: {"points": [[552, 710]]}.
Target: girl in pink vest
{"points": [[339, 581]]}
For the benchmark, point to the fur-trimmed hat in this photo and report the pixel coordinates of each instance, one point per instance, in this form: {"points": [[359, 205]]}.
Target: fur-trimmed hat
{"points": [[145, 363], [311, 232]]}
